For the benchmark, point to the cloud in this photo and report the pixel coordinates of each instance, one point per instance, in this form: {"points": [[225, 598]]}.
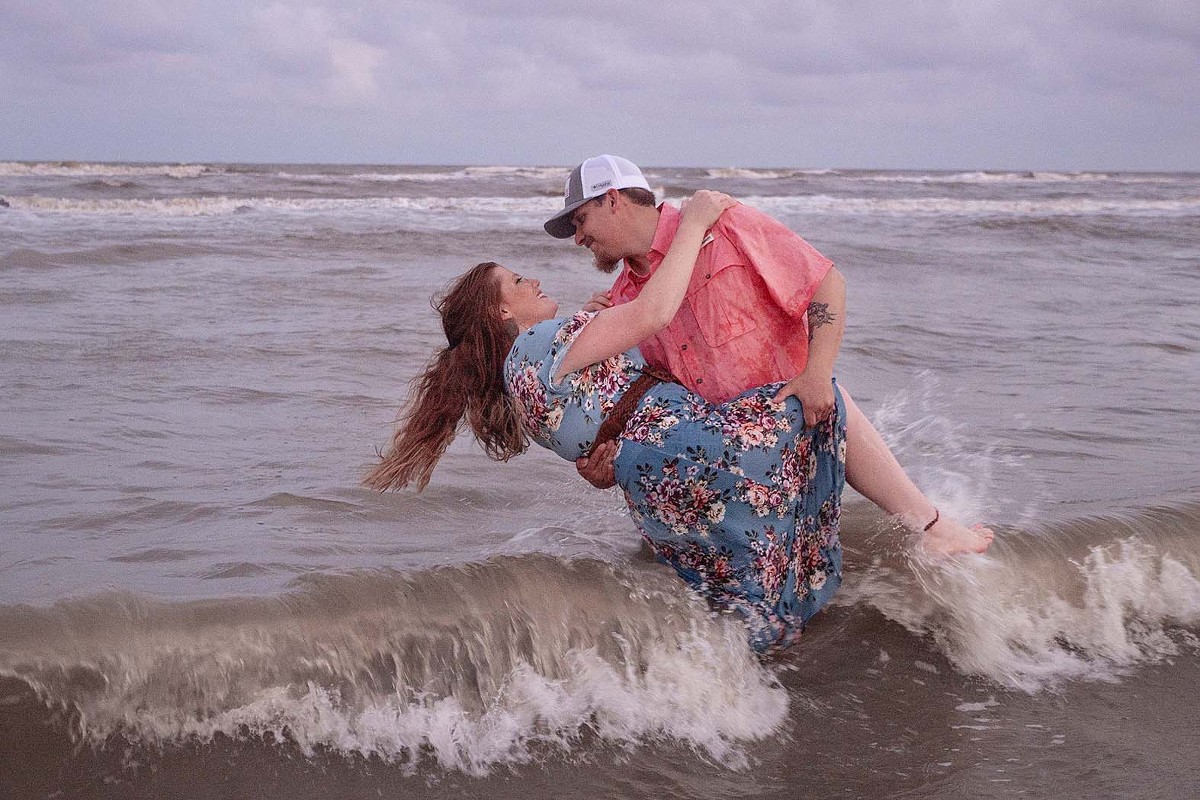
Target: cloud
{"points": [[305, 52], [860, 82]]}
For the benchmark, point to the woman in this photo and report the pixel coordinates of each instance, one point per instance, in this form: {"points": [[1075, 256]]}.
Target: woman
{"points": [[741, 499]]}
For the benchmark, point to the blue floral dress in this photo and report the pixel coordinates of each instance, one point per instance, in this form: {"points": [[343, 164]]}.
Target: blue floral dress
{"points": [[739, 498]]}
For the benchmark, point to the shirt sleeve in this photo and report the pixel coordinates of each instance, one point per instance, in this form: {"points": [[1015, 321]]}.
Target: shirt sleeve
{"points": [[791, 268]]}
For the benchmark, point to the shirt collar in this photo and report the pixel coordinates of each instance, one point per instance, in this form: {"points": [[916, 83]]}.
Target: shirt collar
{"points": [[668, 225], [669, 218]]}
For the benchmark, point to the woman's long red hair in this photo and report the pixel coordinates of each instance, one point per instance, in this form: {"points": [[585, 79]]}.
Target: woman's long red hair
{"points": [[464, 380]]}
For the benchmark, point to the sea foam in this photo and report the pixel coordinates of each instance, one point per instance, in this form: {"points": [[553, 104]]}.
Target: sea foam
{"points": [[1030, 616], [466, 667]]}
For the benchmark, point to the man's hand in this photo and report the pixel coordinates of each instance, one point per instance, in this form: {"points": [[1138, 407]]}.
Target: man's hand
{"points": [[598, 468], [815, 393], [598, 302]]}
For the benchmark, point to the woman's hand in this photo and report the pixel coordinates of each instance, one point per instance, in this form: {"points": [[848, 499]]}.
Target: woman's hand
{"points": [[599, 301], [705, 206]]}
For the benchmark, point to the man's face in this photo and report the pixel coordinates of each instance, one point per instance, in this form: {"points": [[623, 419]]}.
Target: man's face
{"points": [[597, 228]]}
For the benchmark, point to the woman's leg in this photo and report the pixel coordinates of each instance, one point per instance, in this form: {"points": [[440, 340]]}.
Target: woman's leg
{"points": [[876, 474]]}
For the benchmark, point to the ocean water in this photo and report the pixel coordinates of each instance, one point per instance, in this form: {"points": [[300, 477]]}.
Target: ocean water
{"points": [[197, 600]]}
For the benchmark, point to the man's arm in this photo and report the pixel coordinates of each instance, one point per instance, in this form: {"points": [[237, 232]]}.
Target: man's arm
{"points": [[597, 469], [800, 281], [826, 322]]}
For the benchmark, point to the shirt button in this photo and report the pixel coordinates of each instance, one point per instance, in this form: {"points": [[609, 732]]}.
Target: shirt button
{"points": [[699, 381], [707, 275], [683, 347]]}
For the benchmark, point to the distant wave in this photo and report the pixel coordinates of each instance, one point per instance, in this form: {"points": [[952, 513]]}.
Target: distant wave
{"points": [[952, 206], [744, 173], [20, 169], [223, 206], [1016, 177], [558, 174], [1009, 177], [554, 174], [542, 205]]}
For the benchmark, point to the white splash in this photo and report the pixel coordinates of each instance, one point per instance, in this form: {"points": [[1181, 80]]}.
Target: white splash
{"points": [[1033, 623], [711, 695]]}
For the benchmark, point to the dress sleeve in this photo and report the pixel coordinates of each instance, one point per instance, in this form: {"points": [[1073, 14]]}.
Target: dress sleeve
{"points": [[531, 362], [791, 268], [566, 335]]}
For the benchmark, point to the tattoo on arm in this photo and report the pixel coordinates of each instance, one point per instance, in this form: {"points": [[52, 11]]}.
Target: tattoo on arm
{"points": [[818, 315]]}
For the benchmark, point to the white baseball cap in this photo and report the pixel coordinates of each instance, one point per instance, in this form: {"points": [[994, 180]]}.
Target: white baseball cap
{"points": [[589, 180]]}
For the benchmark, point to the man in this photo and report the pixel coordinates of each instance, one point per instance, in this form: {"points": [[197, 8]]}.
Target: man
{"points": [[762, 306]]}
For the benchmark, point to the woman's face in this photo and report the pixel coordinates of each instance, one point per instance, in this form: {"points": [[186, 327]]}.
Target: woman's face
{"points": [[521, 299]]}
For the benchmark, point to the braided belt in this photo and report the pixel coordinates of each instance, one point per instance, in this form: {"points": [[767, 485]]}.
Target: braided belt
{"points": [[614, 424]]}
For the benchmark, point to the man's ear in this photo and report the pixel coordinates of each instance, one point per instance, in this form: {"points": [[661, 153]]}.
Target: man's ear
{"points": [[613, 197]]}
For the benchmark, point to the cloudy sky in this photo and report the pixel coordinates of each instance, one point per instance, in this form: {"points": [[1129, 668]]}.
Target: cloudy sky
{"points": [[956, 84]]}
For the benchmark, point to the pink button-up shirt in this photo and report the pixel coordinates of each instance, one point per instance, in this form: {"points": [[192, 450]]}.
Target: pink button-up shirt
{"points": [[743, 323]]}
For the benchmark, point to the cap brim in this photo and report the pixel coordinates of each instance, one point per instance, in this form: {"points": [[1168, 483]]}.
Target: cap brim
{"points": [[560, 225]]}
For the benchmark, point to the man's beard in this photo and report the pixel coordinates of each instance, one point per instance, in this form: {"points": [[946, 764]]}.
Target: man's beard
{"points": [[606, 264]]}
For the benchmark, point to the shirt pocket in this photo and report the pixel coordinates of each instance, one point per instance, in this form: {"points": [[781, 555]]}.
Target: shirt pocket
{"points": [[723, 304]]}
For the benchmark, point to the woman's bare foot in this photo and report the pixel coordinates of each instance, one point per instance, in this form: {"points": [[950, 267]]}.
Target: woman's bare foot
{"points": [[949, 537]]}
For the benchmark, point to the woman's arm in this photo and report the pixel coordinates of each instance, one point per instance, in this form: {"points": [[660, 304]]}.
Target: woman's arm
{"points": [[616, 329]]}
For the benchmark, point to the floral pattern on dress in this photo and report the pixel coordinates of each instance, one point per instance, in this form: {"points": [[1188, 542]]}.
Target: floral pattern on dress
{"points": [[685, 503], [772, 561], [542, 416], [593, 390], [741, 499], [747, 422], [651, 421], [785, 482]]}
